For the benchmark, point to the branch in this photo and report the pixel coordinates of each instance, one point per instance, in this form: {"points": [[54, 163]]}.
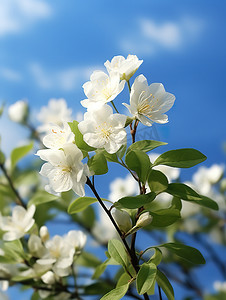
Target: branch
{"points": [[18, 200]]}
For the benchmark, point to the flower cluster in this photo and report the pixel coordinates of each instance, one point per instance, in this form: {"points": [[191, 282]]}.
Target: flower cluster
{"points": [[102, 128], [48, 259]]}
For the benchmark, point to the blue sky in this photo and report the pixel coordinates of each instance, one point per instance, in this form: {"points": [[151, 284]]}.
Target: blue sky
{"points": [[50, 48]]}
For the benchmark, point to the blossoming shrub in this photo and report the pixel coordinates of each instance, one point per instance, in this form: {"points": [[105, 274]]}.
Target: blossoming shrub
{"points": [[150, 199]]}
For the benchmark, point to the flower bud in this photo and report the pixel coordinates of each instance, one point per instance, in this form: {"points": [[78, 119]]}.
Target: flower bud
{"points": [[48, 277], [123, 220], [18, 112], [144, 220], [44, 234]]}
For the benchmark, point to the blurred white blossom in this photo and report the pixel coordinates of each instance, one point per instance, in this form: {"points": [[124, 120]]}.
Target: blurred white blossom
{"points": [[120, 188], [220, 286], [19, 224], [18, 112], [56, 112]]}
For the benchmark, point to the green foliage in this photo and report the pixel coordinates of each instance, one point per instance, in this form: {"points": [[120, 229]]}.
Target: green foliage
{"points": [[18, 153], [2, 158], [139, 162], [165, 285], [80, 204], [181, 158], [135, 201], [146, 277], [87, 259], [145, 145], [98, 164], [157, 181], [41, 197], [79, 137], [164, 217], [186, 252], [118, 252], [184, 192], [117, 293]]}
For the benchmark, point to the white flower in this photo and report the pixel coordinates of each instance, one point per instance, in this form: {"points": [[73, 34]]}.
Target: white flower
{"points": [[149, 103], [35, 246], [76, 239], [56, 112], [103, 229], [19, 224], [220, 286], [59, 254], [49, 277], [126, 67], [18, 111], [120, 188], [205, 177], [101, 89], [64, 169], [103, 129], [123, 220], [58, 136], [44, 234]]}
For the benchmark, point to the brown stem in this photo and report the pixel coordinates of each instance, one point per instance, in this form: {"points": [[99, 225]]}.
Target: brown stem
{"points": [[18, 200], [132, 254]]}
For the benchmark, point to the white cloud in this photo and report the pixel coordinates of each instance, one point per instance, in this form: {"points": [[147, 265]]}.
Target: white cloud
{"points": [[66, 79], [10, 74], [16, 15], [151, 36]]}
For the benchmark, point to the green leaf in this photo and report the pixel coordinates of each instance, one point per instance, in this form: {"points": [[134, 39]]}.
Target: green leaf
{"points": [[157, 257], [181, 158], [129, 120], [186, 252], [145, 145], [157, 181], [186, 193], [117, 293], [164, 217], [145, 277], [207, 202], [2, 158], [41, 197], [136, 201], [121, 151], [139, 162], [98, 164], [87, 259], [87, 217], [80, 204], [19, 153], [110, 157], [182, 191], [124, 279], [97, 288], [79, 137], [165, 285], [118, 252], [99, 270]]}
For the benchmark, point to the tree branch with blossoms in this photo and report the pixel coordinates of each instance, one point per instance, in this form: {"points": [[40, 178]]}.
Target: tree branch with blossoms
{"points": [[75, 151]]}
